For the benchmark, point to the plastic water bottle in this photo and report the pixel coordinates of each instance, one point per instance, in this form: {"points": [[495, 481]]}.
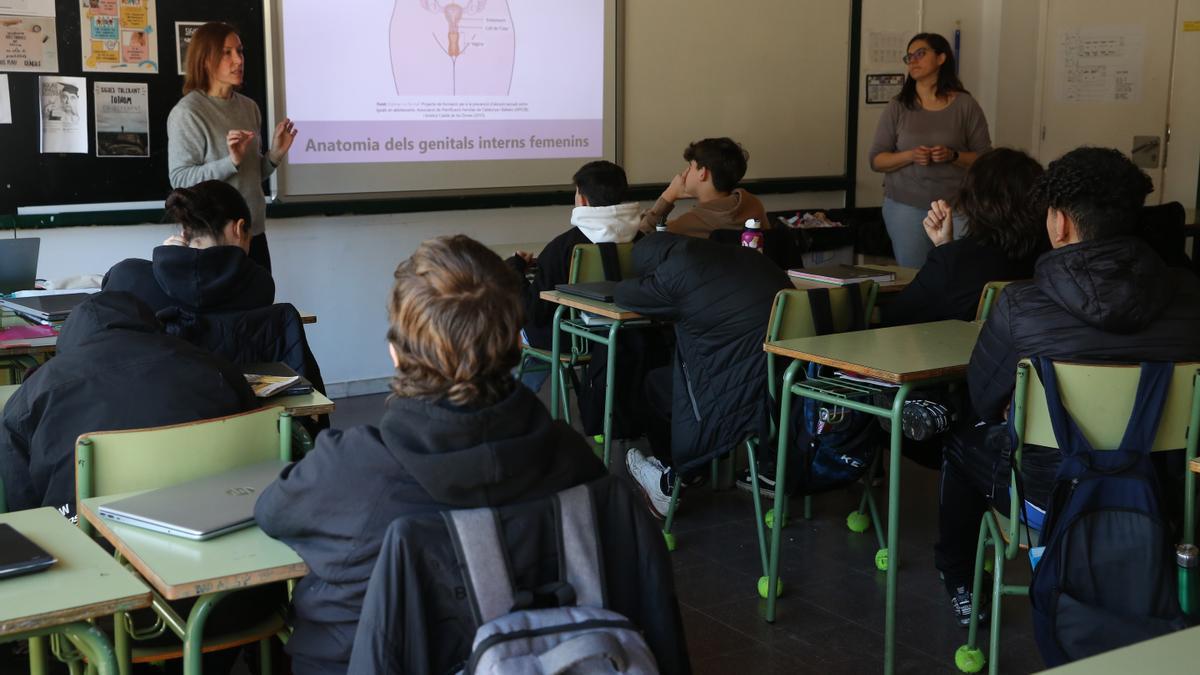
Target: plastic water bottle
{"points": [[1187, 558], [752, 236]]}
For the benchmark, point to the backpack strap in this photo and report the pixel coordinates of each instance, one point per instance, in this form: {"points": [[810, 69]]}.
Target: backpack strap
{"points": [[579, 560], [610, 261], [476, 537], [604, 650], [1154, 383], [821, 309]]}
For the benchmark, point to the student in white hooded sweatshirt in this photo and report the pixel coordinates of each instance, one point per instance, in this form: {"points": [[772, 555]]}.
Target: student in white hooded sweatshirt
{"points": [[600, 215]]}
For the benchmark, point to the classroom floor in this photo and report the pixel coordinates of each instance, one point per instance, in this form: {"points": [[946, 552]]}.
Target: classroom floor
{"points": [[830, 619]]}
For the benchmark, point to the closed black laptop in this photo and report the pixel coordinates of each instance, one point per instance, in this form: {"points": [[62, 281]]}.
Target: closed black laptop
{"points": [[592, 290]]}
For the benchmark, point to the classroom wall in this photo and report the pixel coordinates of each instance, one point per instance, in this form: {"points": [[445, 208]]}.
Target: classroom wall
{"points": [[340, 268]]}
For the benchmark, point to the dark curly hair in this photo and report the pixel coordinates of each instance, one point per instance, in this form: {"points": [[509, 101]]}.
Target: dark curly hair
{"points": [[724, 158], [1099, 188], [995, 200], [947, 80], [455, 322]]}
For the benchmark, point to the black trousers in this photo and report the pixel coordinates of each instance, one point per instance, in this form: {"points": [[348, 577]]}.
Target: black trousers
{"points": [[259, 252], [658, 387], [976, 475]]}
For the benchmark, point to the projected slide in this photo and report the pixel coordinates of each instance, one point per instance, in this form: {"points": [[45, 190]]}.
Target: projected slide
{"points": [[394, 81]]}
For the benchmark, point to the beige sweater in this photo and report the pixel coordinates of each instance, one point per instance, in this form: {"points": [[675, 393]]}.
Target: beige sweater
{"points": [[723, 213]]}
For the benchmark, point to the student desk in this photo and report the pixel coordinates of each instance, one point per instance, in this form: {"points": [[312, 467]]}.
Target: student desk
{"points": [[908, 356], [592, 333], [85, 583], [1171, 653], [904, 277], [307, 317], [180, 568], [312, 403]]}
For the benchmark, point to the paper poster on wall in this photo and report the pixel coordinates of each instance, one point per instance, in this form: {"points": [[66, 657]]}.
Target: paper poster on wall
{"points": [[122, 119], [886, 47], [119, 35], [883, 87], [183, 37], [5, 101], [28, 44], [1100, 64], [27, 7], [64, 114]]}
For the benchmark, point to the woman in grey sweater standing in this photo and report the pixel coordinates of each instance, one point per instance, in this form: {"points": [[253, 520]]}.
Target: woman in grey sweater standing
{"points": [[212, 133], [927, 138]]}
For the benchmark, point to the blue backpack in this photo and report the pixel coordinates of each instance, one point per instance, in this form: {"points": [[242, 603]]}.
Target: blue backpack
{"points": [[1106, 577]]}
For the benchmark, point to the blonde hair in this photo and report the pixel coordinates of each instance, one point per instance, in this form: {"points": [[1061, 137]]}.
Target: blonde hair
{"points": [[455, 315], [204, 54]]}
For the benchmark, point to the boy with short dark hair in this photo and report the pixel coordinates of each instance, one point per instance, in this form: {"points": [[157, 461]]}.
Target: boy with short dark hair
{"points": [[715, 166], [601, 215]]}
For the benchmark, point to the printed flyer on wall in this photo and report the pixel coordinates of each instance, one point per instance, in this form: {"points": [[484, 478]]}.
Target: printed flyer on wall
{"points": [[28, 44], [64, 114], [5, 101], [183, 37], [122, 119], [119, 35]]}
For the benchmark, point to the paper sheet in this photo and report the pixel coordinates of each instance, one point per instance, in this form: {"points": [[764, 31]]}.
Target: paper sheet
{"points": [[1100, 64], [886, 47], [119, 35], [5, 101], [64, 114], [28, 44], [122, 119], [28, 7], [183, 37]]}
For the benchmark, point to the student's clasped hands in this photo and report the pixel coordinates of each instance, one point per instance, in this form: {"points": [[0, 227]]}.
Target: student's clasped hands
{"points": [[939, 223]]}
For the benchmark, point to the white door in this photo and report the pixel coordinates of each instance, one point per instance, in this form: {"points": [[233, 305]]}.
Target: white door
{"points": [[1106, 79]]}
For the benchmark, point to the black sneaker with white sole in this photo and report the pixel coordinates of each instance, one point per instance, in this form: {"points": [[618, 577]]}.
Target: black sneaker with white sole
{"points": [[766, 483], [962, 604]]}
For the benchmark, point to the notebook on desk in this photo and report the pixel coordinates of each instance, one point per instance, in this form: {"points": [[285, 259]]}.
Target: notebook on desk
{"points": [[275, 369], [592, 290], [44, 308], [843, 274], [18, 263], [200, 509]]}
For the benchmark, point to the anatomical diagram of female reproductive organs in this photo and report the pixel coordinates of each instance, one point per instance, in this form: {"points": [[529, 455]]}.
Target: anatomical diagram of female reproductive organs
{"points": [[457, 48]]}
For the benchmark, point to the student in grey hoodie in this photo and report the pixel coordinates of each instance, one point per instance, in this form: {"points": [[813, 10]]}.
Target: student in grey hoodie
{"points": [[601, 215]]}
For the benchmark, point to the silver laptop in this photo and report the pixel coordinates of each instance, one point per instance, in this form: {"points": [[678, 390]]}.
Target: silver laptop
{"points": [[18, 263], [199, 509]]}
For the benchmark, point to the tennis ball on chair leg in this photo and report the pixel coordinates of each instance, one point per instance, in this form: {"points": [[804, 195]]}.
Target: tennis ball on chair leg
{"points": [[969, 660], [858, 522], [764, 586]]}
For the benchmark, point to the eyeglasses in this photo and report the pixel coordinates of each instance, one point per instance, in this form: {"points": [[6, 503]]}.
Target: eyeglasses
{"points": [[915, 56]]}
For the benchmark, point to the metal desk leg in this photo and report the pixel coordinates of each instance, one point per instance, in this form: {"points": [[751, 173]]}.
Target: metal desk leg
{"points": [[91, 641], [610, 381], [194, 635], [891, 555], [785, 410], [38, 656], [555, 355]]}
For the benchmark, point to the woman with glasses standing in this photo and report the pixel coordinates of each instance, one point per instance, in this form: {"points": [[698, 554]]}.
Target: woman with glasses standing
{"points": [[928, 136], [212, 133]]}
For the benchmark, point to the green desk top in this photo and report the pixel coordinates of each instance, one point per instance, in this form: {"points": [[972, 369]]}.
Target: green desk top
{"points": [[181, 568], [1172, 653], [86, 582], [605, 309], [312, 403], [898, 354]]}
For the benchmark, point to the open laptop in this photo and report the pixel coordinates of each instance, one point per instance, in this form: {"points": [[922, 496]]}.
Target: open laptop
{"points": [[18, 263], [45, 308], [592, 290], [200, 509]]}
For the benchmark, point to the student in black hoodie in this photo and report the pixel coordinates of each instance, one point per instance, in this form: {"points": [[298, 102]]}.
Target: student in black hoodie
{"points": [[205, 268], [458, 432], [115, 369], [1100, 295]]}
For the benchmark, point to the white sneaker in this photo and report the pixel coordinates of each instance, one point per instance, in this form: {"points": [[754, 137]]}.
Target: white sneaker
{"points": [[647, 474]]}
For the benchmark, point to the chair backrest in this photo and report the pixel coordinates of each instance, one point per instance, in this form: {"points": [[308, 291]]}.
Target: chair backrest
{"points": [[987, 298], [792, 315], [1100, 399], [112, 462], [586, 265]]}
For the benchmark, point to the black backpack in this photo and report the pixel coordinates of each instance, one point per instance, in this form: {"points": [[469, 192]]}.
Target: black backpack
{"points": [[1106, 577]]}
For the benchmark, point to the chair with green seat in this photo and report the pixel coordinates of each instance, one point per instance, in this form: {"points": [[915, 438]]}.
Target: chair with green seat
{"points": [[114, 462], [1099, 398], [987, 298], [586, 266], [792, 316]]}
